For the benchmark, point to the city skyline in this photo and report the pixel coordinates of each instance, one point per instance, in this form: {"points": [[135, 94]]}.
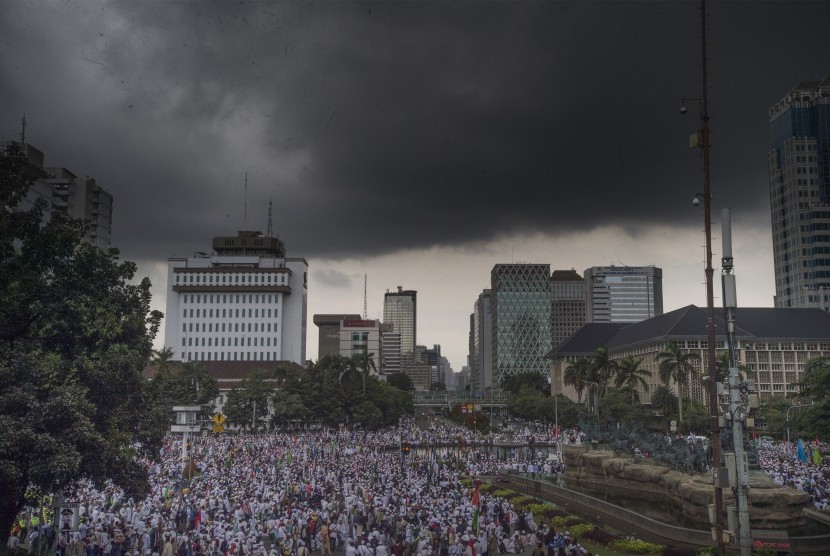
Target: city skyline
{"points": [[418, 143]]}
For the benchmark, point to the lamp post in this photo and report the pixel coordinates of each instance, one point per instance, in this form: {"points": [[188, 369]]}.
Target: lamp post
{"points": [[701, 140]]}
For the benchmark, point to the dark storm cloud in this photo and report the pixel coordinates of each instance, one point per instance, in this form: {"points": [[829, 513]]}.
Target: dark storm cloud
{"points": [[380, 126]]}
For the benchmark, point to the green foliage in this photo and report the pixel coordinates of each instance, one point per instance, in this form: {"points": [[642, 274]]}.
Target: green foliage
{"points": [[178, 383], [535, 381], [76, 332], [773, 415], [635, 546], [580, 529], [401, 381], [617, 407]]}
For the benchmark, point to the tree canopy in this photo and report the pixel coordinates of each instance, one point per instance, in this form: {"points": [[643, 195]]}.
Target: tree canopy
{"points": [[76, 332]]}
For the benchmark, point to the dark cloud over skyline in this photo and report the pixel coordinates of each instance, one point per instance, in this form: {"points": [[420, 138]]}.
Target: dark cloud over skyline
{"points": [[384, 128], [406, 124]]}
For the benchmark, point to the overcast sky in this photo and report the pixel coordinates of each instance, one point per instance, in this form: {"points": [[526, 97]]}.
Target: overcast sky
{"points": [[420, 142]]}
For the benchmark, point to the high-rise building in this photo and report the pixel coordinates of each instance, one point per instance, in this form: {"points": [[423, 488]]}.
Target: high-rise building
{"points": [[245, 302], [390, 349], [82, 198], [521, 319], [568, 300], [401, 311], [362, 337], [481, 343], [799, 185], [61, 190], [623, 293]]}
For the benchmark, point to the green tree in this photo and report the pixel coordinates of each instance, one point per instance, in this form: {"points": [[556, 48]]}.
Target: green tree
{"points": [[401, 381], [538, 381], [248, 405], [664, 400], [814, 421], [287, 406], [617, 407], [76, 332], [575, 375], [676, 365], [630, 377]]}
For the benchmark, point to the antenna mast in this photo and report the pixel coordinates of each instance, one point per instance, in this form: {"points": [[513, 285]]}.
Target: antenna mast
{"points": [[23, 131], [365, 317], [245, 205], [270, 220]]}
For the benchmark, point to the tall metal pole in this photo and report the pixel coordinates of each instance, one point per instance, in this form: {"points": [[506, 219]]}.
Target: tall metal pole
{"points": [[730, 304], [717, 455]]}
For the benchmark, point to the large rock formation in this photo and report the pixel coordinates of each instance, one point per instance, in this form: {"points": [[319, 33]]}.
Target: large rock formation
{"points": [[674, 496]]}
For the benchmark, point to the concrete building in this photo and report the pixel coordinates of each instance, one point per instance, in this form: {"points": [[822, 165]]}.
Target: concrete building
{"points": [[82, 198], [799, 186], [521, 305], [568, 304], [772, 343], [390, 350], [623, 293], [358, 337], [246, 301], [481, 343], [61, 190], [329, 332]]}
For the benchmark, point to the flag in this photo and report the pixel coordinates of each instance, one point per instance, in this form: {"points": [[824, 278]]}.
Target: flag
{"points": [[475, 502], [802, 455], [816, 456]]}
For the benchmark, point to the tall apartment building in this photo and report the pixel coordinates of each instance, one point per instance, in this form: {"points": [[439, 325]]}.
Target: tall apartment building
{"points": [[245, 302], [390, 349], [400, 309], [521, 319], [78, 197], [799, 186], [568, 301], [82, 198], [623, 293], [481, 343]]}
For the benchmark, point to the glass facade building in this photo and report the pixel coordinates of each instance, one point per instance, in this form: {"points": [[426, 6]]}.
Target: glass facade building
{"points": [[521, 304], [623, 293], [400, 309], [799, 185]]}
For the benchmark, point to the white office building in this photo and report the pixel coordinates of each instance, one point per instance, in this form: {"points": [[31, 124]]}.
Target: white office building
{"points": [[244, 302]]}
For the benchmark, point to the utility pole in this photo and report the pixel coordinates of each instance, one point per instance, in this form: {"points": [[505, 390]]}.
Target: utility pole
{"points": [[736, 408]]}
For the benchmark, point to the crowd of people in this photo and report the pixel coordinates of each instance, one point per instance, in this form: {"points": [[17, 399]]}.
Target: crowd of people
{"points": [[281, 494], [810, 474]]}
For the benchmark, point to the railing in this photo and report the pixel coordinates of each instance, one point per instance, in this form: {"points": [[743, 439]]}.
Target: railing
{"points": [[453, 398]]}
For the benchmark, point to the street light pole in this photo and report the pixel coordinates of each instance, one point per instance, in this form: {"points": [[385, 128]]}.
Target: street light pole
{"points": [[787, 414], [702, 140]]}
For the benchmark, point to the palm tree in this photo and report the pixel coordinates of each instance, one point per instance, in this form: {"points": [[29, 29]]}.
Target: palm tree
{"points": [[601, 371], [676, 364], [663, 400], [630, 376], [575, 375]]}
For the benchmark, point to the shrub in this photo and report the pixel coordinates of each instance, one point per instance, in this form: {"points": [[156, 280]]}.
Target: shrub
{"points": [[580, 529], [542, 510], [504, 493], [522, 501], [566, 520], [635, 546], [600, 536]]}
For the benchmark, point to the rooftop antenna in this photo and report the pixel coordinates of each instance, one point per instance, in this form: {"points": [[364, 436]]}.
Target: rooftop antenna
{"points": [[245, 205], [270, 220], [23, 130], [365, 317]]}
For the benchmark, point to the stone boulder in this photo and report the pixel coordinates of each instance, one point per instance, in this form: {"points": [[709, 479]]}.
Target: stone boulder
{"points": [[672, 494]]}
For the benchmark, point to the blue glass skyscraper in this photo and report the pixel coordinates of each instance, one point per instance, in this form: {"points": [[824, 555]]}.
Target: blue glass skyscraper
{"points": [[799, 181]]}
